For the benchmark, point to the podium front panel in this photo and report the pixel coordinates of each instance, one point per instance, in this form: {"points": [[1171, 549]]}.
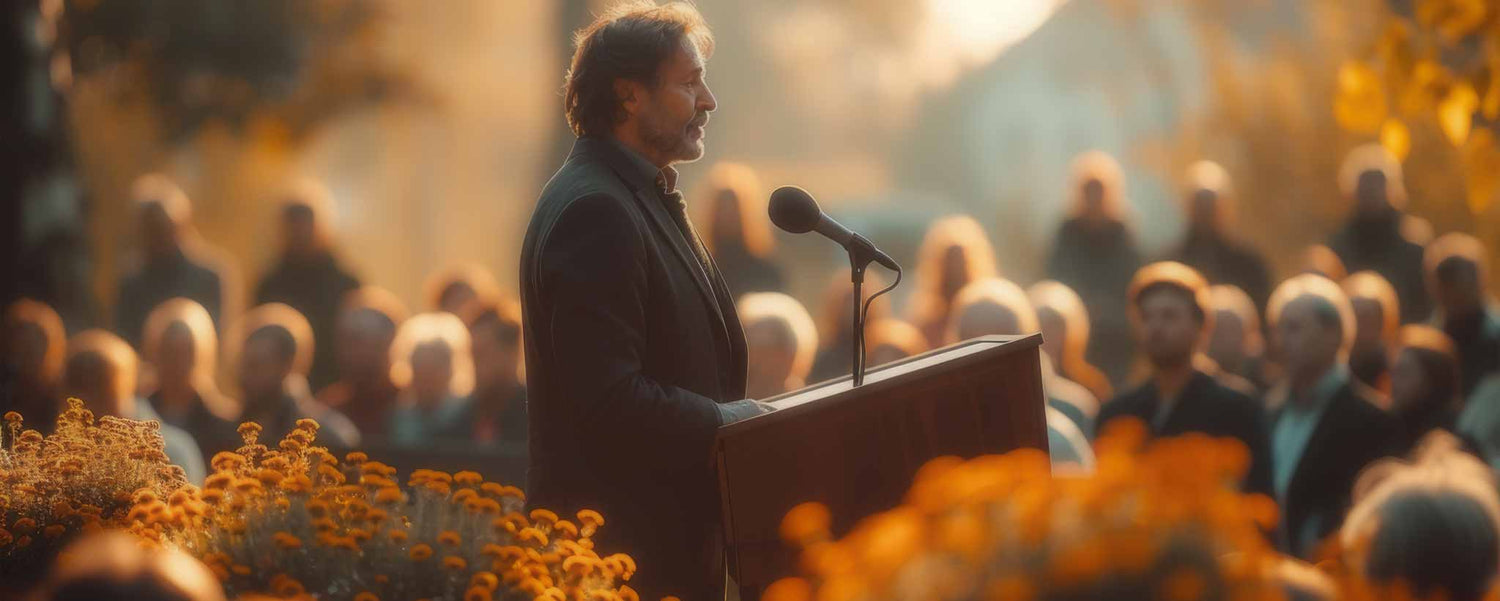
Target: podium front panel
{"points": [[856, 450]]}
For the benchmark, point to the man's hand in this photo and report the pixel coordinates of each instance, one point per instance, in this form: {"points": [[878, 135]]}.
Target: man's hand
{"points": [[742, 409]]}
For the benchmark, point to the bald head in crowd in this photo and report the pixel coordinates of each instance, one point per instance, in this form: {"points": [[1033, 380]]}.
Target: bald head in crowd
{"points": [[781, 340], [101, 370], [991, 307], [1314, 326]]}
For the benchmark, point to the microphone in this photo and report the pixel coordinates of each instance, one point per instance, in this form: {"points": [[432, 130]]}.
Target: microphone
{"points": [[794, 210]]}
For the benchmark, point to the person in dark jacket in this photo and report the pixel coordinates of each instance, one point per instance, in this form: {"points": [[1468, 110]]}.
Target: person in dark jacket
{"points": [[1169, 306], [1425, 393], [1211, 245], [1377, 316], [33, 344], [364, 391], [270, 351], [499, 390], [1325, 426], [1458, 273], [1095, 254], [634, 355], [1378, 235], [181, 347], [308, 276], [739, 235], [173, 262]]}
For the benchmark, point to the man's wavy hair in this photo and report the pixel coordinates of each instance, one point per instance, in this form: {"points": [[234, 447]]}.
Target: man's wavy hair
{"points": [[629, 41]]}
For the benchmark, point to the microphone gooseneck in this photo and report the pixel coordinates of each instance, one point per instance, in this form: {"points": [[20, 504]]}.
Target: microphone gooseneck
{"points": [[794, 210]]}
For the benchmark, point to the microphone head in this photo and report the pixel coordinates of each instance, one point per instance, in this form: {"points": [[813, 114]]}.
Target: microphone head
{"points": [[794, 210]]}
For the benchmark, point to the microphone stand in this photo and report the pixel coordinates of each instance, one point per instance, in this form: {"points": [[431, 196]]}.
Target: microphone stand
{"points": [[861, 254]]}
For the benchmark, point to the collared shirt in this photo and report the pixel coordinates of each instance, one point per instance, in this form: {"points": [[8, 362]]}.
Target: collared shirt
{"points": [[665, 178], [1294, 428]]}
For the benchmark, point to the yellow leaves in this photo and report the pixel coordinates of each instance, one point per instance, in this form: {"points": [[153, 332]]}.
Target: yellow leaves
{"points": [[1481, 157], [1456, 112], [1396, 138], [1453, 19], [1360, 103]]}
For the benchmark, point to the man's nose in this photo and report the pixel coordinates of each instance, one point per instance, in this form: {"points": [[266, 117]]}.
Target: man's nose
{"points": [[707, 103]]}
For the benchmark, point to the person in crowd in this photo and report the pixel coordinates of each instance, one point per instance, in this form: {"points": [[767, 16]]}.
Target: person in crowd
{"points": [[739, 234], [499, 387], [836, 325], [1377, 317], [1424, 381], [889, 340], [1378, 235], [994, 306], [173, 261], [271, 349], [433, 367], [1169, 305], [308, 276], [366, 328], [1095, 254], [101, 371], [1479, 420], [462, 287], [954, 253], [1211, 245], [181, 348], [1065, 335], [115, 566], [781, 340], [1429, 529], [1325, 426], [32, 347], [1458, 274], [1321, 260], [1235, 342]]}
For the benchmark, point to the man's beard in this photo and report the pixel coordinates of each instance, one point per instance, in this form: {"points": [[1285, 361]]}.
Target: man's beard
{"points": [[672, 142]]}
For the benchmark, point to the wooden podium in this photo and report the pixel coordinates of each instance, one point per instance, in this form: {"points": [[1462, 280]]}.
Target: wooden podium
{"points": [[856, 450]]}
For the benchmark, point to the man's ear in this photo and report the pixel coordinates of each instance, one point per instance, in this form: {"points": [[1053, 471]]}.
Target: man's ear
{"points": [[629, 94]]}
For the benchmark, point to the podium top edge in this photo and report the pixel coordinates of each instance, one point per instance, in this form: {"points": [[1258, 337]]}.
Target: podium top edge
{"points": [[839, 390]]}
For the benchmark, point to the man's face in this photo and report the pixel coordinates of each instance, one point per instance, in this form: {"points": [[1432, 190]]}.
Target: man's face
{"points": [[1093, 198], [431, 372], [1226, 342], [495, 363], [1370, 192], [672, 115], [176, 359], [1408, 380], [158, 231], [1169, 330], [263, 369], [363, 346], [1369, 324], [955, 271], [1307, 343], [1205, 210], [299, 231], [1457, 289]]}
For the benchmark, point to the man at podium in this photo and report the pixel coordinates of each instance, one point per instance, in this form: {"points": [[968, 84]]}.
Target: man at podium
{"points": [[634, 353]]}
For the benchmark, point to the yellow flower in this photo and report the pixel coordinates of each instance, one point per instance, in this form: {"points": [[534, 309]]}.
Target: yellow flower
{"points": [[533, 536], [390, 495], [467, 478], [543, 517]]}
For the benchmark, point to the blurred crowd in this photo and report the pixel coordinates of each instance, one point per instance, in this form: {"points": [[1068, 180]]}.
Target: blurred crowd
{"points": [[1386, 333]]}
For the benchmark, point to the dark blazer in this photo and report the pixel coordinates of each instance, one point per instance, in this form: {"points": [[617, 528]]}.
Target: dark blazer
{"points": [[629, 347], [1352, 432], [1208, 407]]}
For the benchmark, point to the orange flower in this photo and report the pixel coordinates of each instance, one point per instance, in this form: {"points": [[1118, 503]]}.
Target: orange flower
{"points": [[533, 536], [467, 478], [420, 552], [455, 563], [366, 596], [397, 536], [286, 541]]}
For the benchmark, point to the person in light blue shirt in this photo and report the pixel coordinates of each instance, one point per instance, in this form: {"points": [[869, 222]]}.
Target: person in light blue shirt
{"points": [[1326, 426], [432, 366]]}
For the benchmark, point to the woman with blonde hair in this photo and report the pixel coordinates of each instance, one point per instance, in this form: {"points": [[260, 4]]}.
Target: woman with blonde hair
{"points": [[1065, 335], [1095, 254], [739, 234], [181, 347], [432, 366], [955, 253]]}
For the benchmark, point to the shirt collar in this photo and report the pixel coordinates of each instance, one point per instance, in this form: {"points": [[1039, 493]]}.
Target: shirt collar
{"points": [[663, 178], [1322, 392]]}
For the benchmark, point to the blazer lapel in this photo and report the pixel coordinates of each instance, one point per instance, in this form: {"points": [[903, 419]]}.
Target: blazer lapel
{"points": [[1311, 453]]}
